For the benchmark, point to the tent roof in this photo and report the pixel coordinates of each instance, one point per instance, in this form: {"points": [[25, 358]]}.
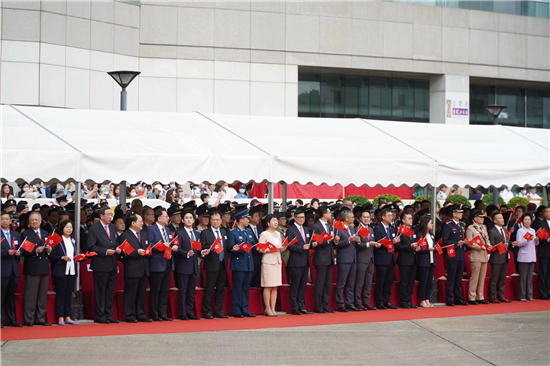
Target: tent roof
{"points": [[50, 143]]}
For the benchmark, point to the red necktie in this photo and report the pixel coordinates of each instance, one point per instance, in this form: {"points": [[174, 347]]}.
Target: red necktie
{"points": [[107, 231], [139, 237]]}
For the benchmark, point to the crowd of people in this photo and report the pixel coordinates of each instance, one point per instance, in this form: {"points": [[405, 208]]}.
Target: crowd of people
{"points": [[365, 243]]}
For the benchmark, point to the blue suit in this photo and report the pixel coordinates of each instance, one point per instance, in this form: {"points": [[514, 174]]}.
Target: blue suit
{"points": [[385, 266], [10, 274], [160, 269], [451, 234], [242, 267], [347, 267]]}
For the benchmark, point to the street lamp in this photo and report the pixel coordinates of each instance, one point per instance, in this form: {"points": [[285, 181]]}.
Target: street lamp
{"points": [[495, 110], [123, 78]]}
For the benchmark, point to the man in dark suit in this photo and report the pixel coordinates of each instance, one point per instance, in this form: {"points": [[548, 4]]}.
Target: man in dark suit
{"points": [[83, 231], [102, 240], [347, 263], [186, 267], [37, 272], [365, 264], [323, 260], [543, 255], [136, 270], [384, 260], [256, 229], [406, 260], [160, 266], [453, 234], [298, 262], [10, 242], [215, 266], [499, 262]]}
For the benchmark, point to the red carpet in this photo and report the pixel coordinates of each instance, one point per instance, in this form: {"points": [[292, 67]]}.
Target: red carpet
{"points": [[203, 325]]}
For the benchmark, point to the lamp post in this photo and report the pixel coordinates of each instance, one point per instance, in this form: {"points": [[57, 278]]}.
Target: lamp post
{"points": [[124, 78], [495, 110]]}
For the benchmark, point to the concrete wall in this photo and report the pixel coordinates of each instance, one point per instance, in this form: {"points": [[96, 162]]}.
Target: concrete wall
{"points": [[243, 57]]}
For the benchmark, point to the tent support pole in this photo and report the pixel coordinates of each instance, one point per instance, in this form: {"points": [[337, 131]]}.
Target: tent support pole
{"points": [[434, 204], [122, 195], [270, 198], [426, 192], [495, 196], [77, 211], [544, 196], [283, 206]]}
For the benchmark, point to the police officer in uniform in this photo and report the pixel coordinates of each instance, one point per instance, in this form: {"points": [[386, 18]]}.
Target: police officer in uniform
{"points": [[242, 264], [174, 212], [453, 233]]}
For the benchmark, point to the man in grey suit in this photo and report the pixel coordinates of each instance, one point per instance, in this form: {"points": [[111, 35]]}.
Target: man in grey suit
{"points": [[365, 264], [499, 262], [346, 262]]}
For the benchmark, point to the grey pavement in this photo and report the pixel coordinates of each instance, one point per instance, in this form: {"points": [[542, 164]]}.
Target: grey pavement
{"points": [[504, 339]]}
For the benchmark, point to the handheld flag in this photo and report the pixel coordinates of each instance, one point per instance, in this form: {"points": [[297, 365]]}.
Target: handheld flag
{"points": [[217, 246], [543, 234], [167, 254], [292, 242], [126, 247], [246, 247], [477, 240], [363, 232], [528, 236], [90, 254], [316, 237], [387, 243], [27, 245], [160, 246], [196, 245], [423, 243], [2, 240], [80, 258], [339, 225], [327, 236], [261, 246], [176, 240], [53, 240], [234, 225], [405, 230], [148, 250], [438, 248], [501, 249], [451, 252]]}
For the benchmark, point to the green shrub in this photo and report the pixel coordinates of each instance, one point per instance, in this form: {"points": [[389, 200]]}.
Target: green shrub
{"points": [[390, 198], [458, 199], [513, 203], [488, 200], [359, 200]]}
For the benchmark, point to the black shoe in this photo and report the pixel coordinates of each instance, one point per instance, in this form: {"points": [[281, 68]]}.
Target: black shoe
{"points": [[113, 321], [391, 306], [343, 310], [484, 302], [405, 306], [192, 317], [370, 307], [145, 320], [238, 316], [157, 319], [450, 304], [131, 321], [248, 315], [352, 308], [31, 324], [166, 319], [319, 311], [327, 310], [296, 313], [220, 316], [102, 321], [460, 303], [14, 324], [473, 302], [412, 306], [305, 312], [46, 324], [183, 317], [381, 307], [208, 316]]}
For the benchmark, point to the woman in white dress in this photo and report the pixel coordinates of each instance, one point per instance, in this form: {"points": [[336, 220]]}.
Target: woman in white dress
{"points": [[271, 264]]}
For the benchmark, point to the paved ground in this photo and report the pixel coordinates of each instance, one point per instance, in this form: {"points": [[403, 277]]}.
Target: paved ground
{"points": [[505, 339]]}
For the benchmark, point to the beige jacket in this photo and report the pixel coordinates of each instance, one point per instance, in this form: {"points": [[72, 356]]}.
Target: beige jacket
{"points": [[477, 254]]}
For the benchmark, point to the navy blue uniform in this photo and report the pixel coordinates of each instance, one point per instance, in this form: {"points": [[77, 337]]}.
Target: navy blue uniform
{"points": [[242, 268], [451, 234]]}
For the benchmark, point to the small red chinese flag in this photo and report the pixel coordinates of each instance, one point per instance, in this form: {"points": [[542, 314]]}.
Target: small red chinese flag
{"points": [[167, 254], [176, 240], [438, 248], [507, 233], [501, 249], [246, 247], [80, 258], [126, 248], [528, 236], [196, 245], [160, 246], [327, 236], [148, 250], [317, 238], [363, 232], [27, 245], [385, 242], [90, 254], [423, 243], [292, 242], [543, 234], [451, 252], [339, 225], [405, 230], [440, 241], [54, 239], [217, 246]]}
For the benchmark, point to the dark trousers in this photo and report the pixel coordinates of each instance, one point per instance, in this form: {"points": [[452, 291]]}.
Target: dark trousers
{"points": [[214, 280], [36, 297], [255, 277], [241, 292], [9, 286], [104, 293], [323, 284], [135, 290], [64, 288], [426, 282], [186, 293], [544, 278], [345, 284], [497, 283], [453, 287], [159, 284], [407, 275], [298, 288], [526, 280], [384, 282]]}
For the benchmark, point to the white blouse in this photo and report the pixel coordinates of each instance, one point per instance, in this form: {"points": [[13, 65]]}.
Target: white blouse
{"points": [[69, 252], [430, 245]]}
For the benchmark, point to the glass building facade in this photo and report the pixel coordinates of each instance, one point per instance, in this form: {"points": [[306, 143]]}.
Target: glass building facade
{"points": [[321, 95], [538, 8]]}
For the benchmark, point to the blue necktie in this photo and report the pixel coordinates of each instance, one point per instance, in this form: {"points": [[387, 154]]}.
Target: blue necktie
{"points": [[221, 253], [388, 232], [8, 238]]}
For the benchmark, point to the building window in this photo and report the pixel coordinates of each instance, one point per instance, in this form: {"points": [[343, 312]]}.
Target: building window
{"points": [[322, 95]]}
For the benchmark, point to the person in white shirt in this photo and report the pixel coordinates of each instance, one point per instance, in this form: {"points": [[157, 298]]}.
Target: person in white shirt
{"points": [[522, 193], [442, 194], [532, 195], [506, 194]]}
